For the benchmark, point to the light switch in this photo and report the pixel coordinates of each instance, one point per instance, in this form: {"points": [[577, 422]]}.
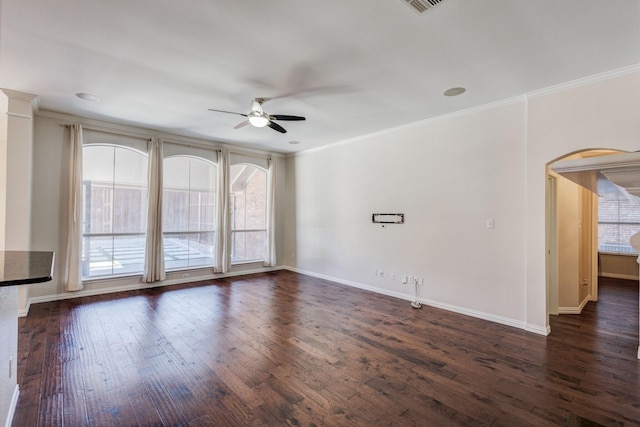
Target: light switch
{"points": [[490, 224]]}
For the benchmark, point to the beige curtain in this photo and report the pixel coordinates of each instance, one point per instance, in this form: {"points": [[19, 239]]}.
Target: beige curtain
{"points": [[154, 253], [270, 244], [223, 235], [73, 260]]}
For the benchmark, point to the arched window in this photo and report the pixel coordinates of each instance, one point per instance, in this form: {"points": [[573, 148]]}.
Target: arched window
{"points": [[115, 210], [248, 201], [188, 212]]}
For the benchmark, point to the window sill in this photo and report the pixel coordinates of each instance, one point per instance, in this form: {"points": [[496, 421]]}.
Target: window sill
{"points": [[260, 261]]}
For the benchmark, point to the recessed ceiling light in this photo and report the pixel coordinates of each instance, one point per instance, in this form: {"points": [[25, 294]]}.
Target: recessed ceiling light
{"points": [[87, 96], [294, 142], [454, 91]]}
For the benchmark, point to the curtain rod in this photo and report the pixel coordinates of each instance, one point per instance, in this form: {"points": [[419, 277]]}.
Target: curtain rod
{"points": [[266, 156], [177, 141], [111, 131]]}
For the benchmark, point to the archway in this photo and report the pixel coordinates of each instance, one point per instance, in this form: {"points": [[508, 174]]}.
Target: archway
{"points": [[571, 239]]}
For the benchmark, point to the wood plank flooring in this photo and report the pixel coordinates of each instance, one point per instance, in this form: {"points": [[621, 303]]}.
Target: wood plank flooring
{"points": [[281, 348]]}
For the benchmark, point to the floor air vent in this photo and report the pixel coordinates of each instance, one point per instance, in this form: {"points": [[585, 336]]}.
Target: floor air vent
{"points": [[421, 6]]}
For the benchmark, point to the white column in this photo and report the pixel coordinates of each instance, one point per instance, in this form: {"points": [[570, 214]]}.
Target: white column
{"points": [[16, 143], [18, 155]]}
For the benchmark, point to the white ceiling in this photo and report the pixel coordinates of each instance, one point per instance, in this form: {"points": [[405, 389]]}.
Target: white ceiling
{"points": [[351, 67]]}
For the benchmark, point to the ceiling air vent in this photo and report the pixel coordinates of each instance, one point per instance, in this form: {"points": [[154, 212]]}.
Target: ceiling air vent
{"points": [[421, 6]]}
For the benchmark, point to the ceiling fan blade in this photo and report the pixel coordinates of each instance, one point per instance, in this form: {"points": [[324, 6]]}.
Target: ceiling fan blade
{"points": [[229, 112], [241, 124], [277, 127], [285, 117]]}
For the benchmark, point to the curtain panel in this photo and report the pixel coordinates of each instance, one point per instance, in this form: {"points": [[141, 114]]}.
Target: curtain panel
{"points": [[270, 244], [72, 276], [223, 241], [154, 253]]}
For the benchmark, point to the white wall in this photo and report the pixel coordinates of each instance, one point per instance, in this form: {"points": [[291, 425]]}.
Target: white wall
{"points": [[601, 112], [4, 108], [449, 176], [569, 215]]}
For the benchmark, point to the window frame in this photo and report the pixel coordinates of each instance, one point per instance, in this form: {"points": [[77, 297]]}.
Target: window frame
{"points": [[621, 247], [256, 164], [86, 260], [185, 152]]}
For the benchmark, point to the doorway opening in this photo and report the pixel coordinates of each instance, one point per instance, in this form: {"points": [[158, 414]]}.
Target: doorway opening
{"points": [[572, 240]]}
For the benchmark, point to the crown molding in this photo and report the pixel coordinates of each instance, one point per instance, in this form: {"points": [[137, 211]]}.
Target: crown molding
{"points": [[34, 100], [101, 125], [596, 78], [448, 116]]}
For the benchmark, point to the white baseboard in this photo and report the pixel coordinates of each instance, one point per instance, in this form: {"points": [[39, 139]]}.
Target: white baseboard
{"points": [[619, 276], [22, 312], [137, 286], [569, 310], [437, 304], [13, 406], [574, 310]]}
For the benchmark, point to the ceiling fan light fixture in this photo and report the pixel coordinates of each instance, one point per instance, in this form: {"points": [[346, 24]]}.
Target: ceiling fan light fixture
{"points": [[258, 121]]}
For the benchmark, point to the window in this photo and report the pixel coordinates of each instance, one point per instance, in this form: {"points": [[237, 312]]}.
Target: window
{"points": [[248, 198], [115, 210], [115, 207], [618, 220], [188, 212]]}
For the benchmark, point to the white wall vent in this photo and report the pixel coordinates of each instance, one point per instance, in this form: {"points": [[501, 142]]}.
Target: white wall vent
{"points": [[421, 6]]}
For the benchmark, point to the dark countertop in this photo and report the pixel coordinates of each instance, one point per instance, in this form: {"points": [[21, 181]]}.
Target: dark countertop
{"points": [[23, 267]]}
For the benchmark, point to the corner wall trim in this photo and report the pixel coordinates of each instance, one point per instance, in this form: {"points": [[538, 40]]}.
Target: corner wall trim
{"points": [[619, 276], [538, 330], [574, 310], [22, 312], [13, 406]]}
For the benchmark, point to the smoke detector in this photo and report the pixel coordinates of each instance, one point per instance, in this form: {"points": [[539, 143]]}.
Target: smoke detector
{"points": [[421, 6]]}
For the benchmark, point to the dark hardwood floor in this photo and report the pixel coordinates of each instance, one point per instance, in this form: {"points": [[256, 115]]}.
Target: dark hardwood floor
{"points": [[287, 349]]}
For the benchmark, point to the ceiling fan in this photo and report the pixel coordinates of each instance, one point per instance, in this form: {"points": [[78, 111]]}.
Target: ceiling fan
{"points": [[258, 118]]}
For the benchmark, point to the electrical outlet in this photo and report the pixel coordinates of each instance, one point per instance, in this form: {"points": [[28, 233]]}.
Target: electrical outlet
{"points": [[404, 279], [381, 273], [420, 281], [411, 280], [393, 276]]}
